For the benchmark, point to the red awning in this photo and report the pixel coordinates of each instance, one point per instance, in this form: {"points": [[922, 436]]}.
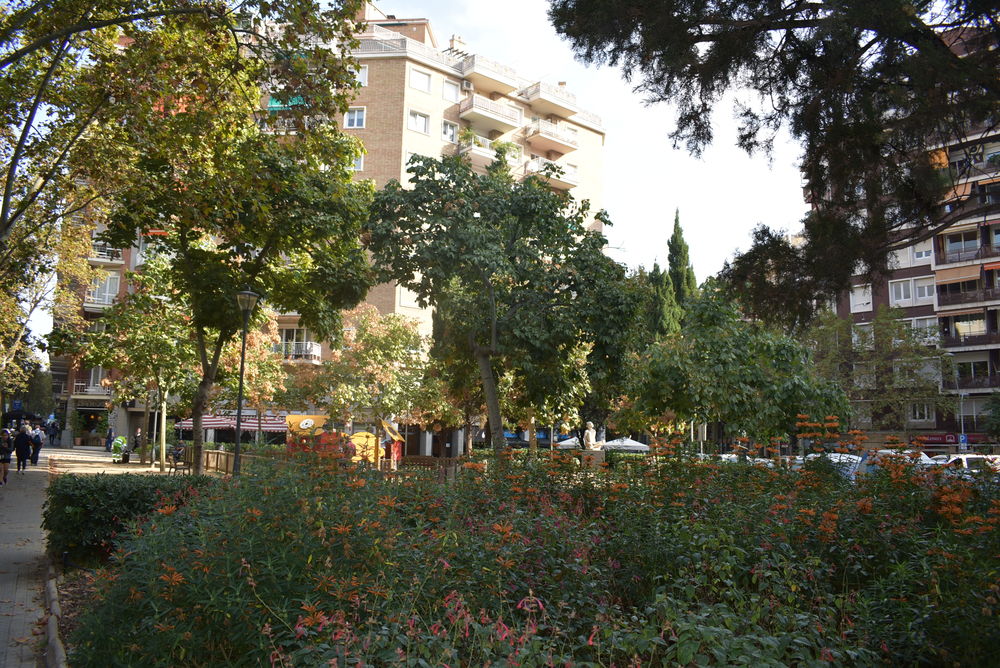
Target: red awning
{"points": [[209, 422]]}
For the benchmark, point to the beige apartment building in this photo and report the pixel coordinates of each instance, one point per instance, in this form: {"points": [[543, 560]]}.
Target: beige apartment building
{"points": [[420, 98]]}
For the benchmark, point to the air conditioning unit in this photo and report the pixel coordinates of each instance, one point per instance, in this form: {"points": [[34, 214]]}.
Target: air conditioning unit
{"points": [[467, 85]]}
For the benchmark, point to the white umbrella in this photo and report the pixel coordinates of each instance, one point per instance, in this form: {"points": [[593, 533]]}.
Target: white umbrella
{"points": [[625, 445], [568, 444]]}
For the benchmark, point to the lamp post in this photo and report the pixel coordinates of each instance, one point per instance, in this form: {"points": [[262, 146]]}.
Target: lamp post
{"points": [[246, 299]]}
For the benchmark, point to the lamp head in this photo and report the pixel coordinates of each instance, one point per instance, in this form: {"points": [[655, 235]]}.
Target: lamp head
{"points": [[247, 299]]}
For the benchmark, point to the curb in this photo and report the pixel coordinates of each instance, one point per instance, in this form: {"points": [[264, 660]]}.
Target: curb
{"points": [[55, 652]]}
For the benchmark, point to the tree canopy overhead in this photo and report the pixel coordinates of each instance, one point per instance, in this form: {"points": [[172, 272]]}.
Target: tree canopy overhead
{"points": [[865, 87]]}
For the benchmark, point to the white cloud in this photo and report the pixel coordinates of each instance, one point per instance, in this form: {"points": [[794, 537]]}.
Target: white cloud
{"points": [[721, 196]]}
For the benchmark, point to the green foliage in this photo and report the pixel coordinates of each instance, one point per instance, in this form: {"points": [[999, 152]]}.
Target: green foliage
{"points": [[864, 87], [500, 260], [667, 562], [85, 515], [882, 368], [664, 314], [725, 368], [681, 272]]}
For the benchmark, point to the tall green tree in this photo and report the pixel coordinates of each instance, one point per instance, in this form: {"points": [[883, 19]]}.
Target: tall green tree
{"points": [[503, 261], [681, 272], [663, 313], [865, 87], [726, 368], [885, 368]]}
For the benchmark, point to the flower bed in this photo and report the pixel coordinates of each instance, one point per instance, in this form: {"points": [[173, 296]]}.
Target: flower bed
{"points": [[538, 563]]}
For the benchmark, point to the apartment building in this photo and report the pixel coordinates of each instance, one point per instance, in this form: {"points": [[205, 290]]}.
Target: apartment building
{"points": [[948, 288]]}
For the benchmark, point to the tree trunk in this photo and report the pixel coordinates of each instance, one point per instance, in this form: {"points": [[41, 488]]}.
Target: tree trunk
{"points": [[198, 435], [145, 427], [532, 434], [492, 400]]}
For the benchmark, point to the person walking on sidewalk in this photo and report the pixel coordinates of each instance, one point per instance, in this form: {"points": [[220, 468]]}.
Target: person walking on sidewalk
{"points": [[22, 448], [36, 444], [6, 449]]}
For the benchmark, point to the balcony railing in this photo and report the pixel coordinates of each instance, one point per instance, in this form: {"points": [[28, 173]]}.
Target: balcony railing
{"points": [[105, 252], [100, 298], [568, 177], [84, 387], [948, 257], [557, 94], [483, 105], [973, 382], [299, 350], [970, 340], [542, 126], [971, 296]]}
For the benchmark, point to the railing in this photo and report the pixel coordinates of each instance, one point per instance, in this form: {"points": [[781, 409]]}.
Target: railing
{"points": [[970, 340], [103, 251], [377, 39], [84, 387], [948, 257], [590, 119], [539, 164], [482, 104], [971, 296], [101, 298], [542, 126], [973, 382], [299, 350], [488, 67], [558, 93]]}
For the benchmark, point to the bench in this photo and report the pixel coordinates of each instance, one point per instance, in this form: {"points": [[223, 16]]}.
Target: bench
{"points": [[180, 461]]}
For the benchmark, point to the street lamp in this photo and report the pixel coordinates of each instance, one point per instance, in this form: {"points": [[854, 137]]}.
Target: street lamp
{"points": [[246, 299]]}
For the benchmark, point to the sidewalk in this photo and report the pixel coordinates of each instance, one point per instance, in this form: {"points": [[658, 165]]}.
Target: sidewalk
{"points": [[22, 548]]}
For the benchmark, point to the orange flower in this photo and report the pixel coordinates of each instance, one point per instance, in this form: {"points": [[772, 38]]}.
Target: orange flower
{"points": [[173, 578]]}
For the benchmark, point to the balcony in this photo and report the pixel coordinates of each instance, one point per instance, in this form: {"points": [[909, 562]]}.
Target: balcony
{"points": [[488, 114], [489, 76], [98, 299], [548, 99], [970, 340], [971, 297], [568, 179], [545, 135], [948, 257], [973, 383], [85, 387], [300, 351], [102, 252]]}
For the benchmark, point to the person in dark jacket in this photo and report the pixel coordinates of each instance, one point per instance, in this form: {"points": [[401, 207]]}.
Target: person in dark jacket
{"points": [[22, 448], [6, 449], [36, 444]]}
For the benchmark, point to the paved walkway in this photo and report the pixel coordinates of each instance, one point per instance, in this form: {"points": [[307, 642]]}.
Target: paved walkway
{"points": [[22, 548]]}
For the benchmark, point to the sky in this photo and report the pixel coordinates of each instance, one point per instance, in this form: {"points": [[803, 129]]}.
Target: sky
{"points": [[721, 196]]}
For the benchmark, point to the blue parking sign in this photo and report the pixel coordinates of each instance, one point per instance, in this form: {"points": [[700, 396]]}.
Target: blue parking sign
{"points": [[963, 439]]}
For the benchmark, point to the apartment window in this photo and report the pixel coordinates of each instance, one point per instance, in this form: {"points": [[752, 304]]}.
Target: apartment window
{"points": [[295, 335], [359, 164], [926, 329], [921, 411], [571, 171], [864, 375], [969, 325], [861, 335], [355, 118], [862, 413], [900, 293], [419, 122], [361, 74], [861, 298], [962, 242], [922, 251], [450, 90], [923, 289], [420, 80], [96, 375], [104, 290], [449, 132]]}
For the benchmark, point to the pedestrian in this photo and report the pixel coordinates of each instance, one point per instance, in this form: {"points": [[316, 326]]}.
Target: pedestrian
{"points": [[6, 448], [36, 444], [53, 433], [109, 440], [137, 443], [22, 448]]}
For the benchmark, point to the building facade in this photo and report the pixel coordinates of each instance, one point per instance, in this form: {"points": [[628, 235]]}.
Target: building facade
{"points": [[948, 289]]}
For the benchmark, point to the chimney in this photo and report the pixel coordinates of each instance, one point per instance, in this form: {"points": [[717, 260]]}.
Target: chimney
{"points": [[562, 84], [457, 43]]}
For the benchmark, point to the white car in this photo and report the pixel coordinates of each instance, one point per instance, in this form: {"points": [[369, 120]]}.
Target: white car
{"points": [[969, 462]]}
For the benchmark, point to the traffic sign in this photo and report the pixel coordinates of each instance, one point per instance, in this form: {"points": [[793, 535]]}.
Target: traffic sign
{"points": [[963, 439]]}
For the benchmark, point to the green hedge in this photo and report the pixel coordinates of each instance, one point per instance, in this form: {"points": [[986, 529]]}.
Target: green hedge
{"points": [[84, 514]]}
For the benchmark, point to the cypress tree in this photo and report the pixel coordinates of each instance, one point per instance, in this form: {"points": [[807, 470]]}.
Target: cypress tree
{"points": [[680, 272], [664, 314]]}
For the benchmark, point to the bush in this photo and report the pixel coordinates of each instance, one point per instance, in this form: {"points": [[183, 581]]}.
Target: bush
{"points": [[541, 563], [84, 514]]}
